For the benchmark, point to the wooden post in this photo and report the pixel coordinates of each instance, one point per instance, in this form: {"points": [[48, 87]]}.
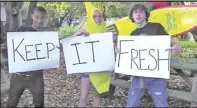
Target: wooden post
{"points": [[194, 87]]}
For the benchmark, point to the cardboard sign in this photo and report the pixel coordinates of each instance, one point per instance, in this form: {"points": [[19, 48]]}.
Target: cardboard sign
{"points": [[144, 56], [30, 51], [94, 53]]}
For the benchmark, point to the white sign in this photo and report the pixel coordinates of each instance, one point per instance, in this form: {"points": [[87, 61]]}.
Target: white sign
{"points": [[30, 51], [144, 56], [94, 53]]}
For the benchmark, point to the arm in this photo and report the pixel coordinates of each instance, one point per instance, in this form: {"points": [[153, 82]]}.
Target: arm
{"points": [[81, 32]]}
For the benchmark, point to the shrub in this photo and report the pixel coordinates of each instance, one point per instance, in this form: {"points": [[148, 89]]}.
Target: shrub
{"points": [[187, 44], [67, 31], [189, 49]]}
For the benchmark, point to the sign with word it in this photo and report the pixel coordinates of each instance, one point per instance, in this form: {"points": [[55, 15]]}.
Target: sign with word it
{"points": [[145, 56], [30, 51], [94, 53]]}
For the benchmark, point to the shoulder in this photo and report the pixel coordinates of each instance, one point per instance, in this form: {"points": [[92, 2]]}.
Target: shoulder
{"points": [[25, 28], [47, 29], [160, 29], [133, 32], [158, 26], [21, 28], [155, 25]]}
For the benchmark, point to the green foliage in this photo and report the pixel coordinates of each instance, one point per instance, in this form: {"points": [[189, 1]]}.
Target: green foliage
{"points": [[117, 9], [67, 31], [189, 49], [186, 53], [187, 44], [57, 7], [76, 9], [100, 5]]}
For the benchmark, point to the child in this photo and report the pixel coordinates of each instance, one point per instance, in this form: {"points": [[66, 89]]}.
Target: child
{"points": [[156, 87]]}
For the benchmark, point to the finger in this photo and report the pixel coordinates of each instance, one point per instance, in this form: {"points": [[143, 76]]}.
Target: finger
{"points": [[170, 49]]}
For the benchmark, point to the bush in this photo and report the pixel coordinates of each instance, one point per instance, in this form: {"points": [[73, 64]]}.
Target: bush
{"points": [[67, 31], [187, 44], [117, 10], [189, 49]]}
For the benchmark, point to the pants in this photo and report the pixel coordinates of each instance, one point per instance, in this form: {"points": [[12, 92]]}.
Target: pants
{"points": [[156, 88], [34, 82]]}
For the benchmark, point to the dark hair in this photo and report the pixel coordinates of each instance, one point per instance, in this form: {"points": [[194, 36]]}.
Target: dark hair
{"points": [[138, 6], [40, 9]]}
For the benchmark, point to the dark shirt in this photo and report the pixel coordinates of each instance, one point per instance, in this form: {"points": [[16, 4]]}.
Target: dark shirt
{"points": [[150, 29], [24, 29]]}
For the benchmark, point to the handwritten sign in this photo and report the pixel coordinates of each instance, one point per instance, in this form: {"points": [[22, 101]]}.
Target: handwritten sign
{"points": [[144, 56], [29, 51], [89, 54]]}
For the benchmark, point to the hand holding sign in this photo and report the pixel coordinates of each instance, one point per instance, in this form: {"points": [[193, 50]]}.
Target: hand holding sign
{"points": [[81, 32], [176, 48]]}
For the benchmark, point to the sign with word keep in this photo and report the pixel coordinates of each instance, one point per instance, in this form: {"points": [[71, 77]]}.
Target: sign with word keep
{"points": [[30, 51], [145, 56], [94, 53]]}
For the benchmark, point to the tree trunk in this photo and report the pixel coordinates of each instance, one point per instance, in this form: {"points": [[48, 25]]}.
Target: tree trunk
{"points": [[14, 19], [104, 12], [32, 5]]}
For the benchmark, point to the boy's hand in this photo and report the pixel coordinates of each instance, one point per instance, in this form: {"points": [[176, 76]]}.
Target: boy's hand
{"points": [[176, 48]]}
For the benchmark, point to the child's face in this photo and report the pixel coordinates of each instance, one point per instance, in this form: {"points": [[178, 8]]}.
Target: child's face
{"points": [[139, 16], [97, 17]]}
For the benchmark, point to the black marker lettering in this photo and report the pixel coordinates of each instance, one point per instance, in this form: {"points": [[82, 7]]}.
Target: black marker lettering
{"points": [[120, 53], [168, 59], [38, 51], [48, 50], [132, 58], [28, 52], [75, 44], [141, 59], [16, 49], [92, 49], [154, 59]]}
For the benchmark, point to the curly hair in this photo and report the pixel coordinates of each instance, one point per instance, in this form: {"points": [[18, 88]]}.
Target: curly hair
{"points": [[141, 7]]}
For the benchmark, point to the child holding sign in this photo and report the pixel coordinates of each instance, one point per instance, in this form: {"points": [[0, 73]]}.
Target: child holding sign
{"points": [[100, 80], [155, 86]]}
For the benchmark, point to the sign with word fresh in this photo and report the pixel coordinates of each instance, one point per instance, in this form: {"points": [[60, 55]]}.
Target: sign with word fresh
{"points": [[145, 56], [30, 51], [94, 53]]}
